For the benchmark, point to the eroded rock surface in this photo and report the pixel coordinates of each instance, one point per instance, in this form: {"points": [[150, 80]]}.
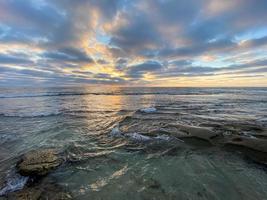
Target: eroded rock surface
{"points": [[39, 162], [253, 143]]}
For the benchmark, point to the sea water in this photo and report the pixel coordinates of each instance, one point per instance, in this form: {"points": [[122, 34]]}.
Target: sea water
{"points": [[87, 124]]}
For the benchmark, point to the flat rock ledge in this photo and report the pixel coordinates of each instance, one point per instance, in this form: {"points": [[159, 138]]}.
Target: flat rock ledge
{"points": [[39, 162]]}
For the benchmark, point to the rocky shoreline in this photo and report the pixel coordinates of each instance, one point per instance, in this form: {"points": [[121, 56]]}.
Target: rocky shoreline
{"points": [[231, 137], [143, 128], [36, 165]]}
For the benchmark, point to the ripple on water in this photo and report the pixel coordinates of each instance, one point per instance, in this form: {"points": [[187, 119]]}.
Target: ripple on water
{"points": [[170, 148]]}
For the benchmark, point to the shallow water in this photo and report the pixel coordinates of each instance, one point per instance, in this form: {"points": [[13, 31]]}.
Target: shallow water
{"points": [[118, 146]]}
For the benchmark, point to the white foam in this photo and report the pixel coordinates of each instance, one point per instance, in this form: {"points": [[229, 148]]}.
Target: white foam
{"points": [[162, 137], [14, 183], [148, 110], [138, 137], [31, 114], [115, 132]]}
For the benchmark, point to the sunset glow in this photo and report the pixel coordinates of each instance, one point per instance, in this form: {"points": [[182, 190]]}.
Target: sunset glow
{"points": [[133, 43]]}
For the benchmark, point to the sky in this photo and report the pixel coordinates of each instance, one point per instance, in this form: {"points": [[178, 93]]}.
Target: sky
{"points": [[185, 43]]}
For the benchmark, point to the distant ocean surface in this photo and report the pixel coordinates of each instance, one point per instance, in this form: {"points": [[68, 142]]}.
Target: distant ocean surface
{"points": [[122, 143]]}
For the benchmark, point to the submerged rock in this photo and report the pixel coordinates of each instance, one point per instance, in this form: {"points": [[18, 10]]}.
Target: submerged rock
{"points": [[43, 190], [26, 194], [39, 162]]}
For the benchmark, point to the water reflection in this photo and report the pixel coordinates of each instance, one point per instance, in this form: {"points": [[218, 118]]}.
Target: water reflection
{"points": [[78, 122]]}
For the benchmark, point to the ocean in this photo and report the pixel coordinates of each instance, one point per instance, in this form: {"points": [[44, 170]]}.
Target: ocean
{"points": [[139, 143]]}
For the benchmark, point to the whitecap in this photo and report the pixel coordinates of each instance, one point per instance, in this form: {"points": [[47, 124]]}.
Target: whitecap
{"points": [[31, 114], [115, 132], [162, 137], [148, 110], [138, 137]]}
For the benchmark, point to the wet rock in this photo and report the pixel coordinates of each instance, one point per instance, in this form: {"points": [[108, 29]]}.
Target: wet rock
{"points": [[56, 196], [39, 162], [38, 194], [185, 131], [43, 190], [249, 142], [254, 149], [26, 194], [153, 184], [2, 183]]}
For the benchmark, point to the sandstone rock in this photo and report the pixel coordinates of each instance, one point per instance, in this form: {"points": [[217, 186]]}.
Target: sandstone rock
{"points": [[252, 143], [38, 162]]}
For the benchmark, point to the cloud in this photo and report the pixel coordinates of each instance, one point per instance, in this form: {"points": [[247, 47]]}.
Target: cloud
{"points": [[68, 54], [138, 33], [102, 62], [14, 59], [122, 41], [139, 70]]}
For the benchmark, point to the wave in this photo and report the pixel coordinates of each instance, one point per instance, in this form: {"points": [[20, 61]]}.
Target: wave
{"points": [[121, 93], [62, 112], [42, 95], [31, 115], [148, 110], [115, 132]]}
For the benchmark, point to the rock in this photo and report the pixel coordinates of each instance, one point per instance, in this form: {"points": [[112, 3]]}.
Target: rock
{"points": [[43, 190], [38, 194], [56, 196], [186, 131], [254, 149], [25, 194], [39, 162], [2, 183], [249, 142]]}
